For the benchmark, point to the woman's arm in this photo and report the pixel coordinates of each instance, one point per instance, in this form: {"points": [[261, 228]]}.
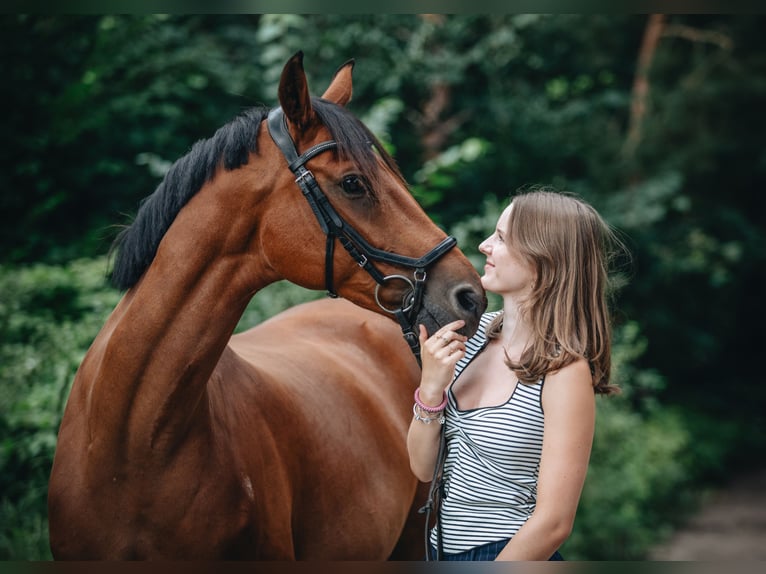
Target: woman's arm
{"points": [[439, 354], [569, 404]]}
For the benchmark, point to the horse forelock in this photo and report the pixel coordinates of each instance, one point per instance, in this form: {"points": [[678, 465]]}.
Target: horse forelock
{"points": [[355, 141]]}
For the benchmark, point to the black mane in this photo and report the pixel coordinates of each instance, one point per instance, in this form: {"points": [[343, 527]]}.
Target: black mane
{"points": [[230, 146]]}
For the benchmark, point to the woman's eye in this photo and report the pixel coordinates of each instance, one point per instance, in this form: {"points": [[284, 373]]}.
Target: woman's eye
{"points": [[354, 186]]}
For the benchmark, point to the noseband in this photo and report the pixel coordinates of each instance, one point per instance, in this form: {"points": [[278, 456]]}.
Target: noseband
{"points": [[335, 227]]}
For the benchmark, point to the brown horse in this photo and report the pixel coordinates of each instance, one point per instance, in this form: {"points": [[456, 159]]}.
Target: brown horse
{"points": [[180, 441]]}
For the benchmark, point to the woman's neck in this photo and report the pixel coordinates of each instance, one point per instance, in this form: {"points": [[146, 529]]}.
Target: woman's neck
{"points": [[516, 335]]}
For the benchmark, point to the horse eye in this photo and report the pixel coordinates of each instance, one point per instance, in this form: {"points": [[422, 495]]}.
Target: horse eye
{"points": [[354, 185]]}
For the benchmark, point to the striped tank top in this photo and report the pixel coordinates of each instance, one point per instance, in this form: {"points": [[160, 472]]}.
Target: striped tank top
{"points": [[492, 464]]}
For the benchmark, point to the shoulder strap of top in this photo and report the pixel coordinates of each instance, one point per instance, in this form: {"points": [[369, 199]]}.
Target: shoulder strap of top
{"points": [[475, 343]]}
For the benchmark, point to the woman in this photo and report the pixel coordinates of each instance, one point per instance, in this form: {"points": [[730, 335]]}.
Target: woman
{"points": [[517, 399]]}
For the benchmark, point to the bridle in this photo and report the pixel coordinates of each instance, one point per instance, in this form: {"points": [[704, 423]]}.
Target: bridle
{"points": [[334, 227]]}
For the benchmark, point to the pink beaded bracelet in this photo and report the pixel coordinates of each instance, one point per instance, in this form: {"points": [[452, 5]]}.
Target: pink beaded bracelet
{"points": [[428, 409]]}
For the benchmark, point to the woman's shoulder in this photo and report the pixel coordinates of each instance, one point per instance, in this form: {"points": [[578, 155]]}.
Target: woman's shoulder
{"points": [[568, 399], [570, 381], [577, 370]]}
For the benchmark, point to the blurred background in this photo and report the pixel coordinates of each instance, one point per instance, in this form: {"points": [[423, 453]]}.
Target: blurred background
{"points": [[657, 120]]}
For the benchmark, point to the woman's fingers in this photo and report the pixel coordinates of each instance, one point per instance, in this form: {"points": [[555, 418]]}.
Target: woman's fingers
{"points": [[440, 353], [448, 334], [444, 343]]}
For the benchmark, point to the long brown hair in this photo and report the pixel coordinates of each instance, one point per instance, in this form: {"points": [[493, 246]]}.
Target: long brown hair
{"points": [[570, 246]]}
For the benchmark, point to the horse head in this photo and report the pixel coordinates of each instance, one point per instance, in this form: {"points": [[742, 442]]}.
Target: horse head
{"points": [[396, 260]]}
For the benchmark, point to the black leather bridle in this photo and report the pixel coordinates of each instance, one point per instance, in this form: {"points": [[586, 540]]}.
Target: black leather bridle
{"points": [[361, 251]]}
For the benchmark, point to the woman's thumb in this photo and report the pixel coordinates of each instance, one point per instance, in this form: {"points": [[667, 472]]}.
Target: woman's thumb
{"points": [[423, 334]]}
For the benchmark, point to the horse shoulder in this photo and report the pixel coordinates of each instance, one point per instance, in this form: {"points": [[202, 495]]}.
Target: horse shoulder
{"points": [[335, 384]]}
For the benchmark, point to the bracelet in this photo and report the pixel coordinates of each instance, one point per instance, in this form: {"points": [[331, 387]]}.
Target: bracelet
{"points": [[428, 409], [419, 416]]}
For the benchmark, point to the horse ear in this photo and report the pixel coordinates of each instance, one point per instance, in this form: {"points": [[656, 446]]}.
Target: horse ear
{"points": [[340, 88], [294, 93]]}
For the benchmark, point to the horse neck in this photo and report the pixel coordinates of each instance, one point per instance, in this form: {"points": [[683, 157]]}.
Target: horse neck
{"points": [[147, 372]]}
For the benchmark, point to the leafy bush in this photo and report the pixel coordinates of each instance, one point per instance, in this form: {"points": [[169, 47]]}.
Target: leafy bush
{"points": [[636, 485], [638, 474], [273, 299], [48, 317]]}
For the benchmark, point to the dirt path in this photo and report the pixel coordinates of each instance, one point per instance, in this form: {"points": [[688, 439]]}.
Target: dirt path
{"points": [[731, 525]]}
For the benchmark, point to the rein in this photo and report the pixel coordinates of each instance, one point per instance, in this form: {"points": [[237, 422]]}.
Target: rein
{"points": [[433, 503], [335, 227]]}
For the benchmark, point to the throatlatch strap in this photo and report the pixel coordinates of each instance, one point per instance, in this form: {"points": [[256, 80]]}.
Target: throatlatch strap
{"points": [[329, 254]]}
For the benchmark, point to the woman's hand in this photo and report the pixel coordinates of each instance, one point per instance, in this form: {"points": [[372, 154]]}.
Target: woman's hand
{"points": [[439, 354]]}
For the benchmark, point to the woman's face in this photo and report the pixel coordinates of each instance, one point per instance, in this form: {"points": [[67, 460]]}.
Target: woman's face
{"points": [[506, 272]]}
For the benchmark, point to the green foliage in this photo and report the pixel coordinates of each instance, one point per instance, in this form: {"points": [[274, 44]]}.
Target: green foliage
{"points": [[48, 317], [441, 175], [636, 486], [101, 102], [272, 299]]}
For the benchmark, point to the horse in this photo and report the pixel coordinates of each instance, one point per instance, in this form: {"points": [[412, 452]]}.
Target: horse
{"points": [[181, 441]]}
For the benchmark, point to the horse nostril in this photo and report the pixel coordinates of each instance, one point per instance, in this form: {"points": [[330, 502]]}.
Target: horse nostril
{"points": [[468, 300]]}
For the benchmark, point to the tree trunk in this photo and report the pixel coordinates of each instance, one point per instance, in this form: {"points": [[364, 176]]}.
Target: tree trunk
{"points": [[652, 34]]}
